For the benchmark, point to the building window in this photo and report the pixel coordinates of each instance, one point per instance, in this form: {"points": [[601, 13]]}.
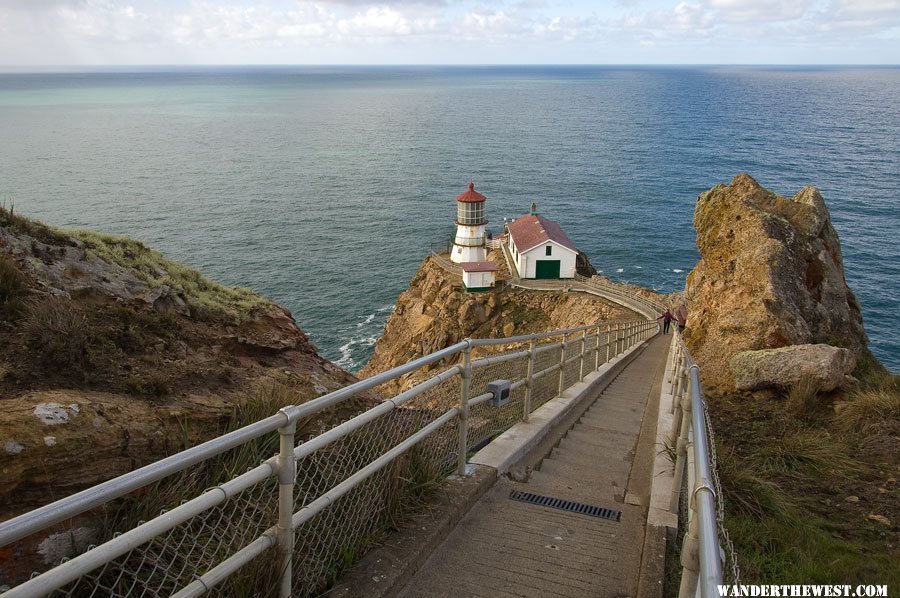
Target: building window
{"points": [[549, 249]]}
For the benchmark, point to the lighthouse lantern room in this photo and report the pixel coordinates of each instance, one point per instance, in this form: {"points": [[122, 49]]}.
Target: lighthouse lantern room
{"points": [[469, 245]]}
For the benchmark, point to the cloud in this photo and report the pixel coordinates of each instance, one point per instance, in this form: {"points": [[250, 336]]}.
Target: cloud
{"points": [[57, 31]]}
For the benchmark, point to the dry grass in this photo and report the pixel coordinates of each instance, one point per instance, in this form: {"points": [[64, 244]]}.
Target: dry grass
{"points": [[206, 299], [13, 286], [803, 398], [808, 453], [58, 335], [871, 411]]}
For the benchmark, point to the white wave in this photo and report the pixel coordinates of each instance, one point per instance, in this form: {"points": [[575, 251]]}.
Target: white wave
{"points": [[677, 271], [620, 270], [368, 320], [387, 308], [639, 267], [346, 359]]}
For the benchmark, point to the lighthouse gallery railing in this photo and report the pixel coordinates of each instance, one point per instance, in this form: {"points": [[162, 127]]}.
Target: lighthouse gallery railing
{"points": [[326, 494]]}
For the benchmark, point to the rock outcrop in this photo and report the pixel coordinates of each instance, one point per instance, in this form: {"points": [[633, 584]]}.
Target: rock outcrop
{"points": [[770, 275], [436, 312], [112, 357], [825, 366]]}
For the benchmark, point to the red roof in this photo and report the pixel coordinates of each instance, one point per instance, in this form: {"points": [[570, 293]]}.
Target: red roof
{"points": [[471, 195], [479, 266], [530, 231]]}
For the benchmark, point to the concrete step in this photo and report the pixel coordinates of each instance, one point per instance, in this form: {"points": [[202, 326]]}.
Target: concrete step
{"points": [[576, 459]]}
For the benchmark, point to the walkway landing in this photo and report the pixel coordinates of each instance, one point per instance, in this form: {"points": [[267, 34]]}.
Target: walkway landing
{"points": [[505, 548]]}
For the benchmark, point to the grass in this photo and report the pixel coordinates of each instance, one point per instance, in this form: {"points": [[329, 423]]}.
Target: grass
{"points": [[789, 470], [326, 545], [206, 299], [13, 286], [90, 344], [58, 335], [803, 398], [872, 411]]}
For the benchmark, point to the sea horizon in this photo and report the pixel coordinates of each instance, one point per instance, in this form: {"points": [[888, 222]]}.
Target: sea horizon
{"points": [[280, 177]]}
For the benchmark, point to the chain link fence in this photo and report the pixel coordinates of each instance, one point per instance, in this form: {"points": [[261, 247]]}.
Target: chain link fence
{"points": [[214, 524]]}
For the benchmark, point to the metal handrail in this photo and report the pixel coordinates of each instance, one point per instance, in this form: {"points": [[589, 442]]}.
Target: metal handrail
{"points": [[701, 551], [283, 465]]}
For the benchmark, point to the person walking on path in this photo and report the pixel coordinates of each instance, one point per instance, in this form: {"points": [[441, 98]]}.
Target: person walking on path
{"points": [[667, 320]]}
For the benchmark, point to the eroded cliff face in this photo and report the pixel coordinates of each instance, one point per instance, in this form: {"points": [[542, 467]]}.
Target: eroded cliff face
{"points": [[770, 275], [112, 357], [436, 312]]}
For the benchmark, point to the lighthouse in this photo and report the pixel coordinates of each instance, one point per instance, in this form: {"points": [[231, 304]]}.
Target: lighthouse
{"points": [[469, 244]]}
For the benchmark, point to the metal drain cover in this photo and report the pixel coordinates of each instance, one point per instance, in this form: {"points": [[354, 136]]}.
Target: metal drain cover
{"points": [[566, 505]]}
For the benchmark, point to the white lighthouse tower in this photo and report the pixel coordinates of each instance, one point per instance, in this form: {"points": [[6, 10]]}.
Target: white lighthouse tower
{"points": [[470, 242]]}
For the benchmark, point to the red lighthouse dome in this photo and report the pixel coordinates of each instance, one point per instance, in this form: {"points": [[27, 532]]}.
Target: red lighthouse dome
{"points": [[471, 195], [470, 208]]}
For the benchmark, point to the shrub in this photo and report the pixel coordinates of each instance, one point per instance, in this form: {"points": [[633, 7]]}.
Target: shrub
{"points": [[12, 286], [803, 399], [59, 335], [872, 411]]}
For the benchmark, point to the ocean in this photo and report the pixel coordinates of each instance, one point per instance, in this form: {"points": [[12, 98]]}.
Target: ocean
{"points": [[323, 188]]}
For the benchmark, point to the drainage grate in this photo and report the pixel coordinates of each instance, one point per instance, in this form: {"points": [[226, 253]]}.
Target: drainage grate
{"points": [[566, 505]]}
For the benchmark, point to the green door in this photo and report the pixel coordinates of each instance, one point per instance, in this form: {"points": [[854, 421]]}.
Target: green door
{"points": [[546, 269]]}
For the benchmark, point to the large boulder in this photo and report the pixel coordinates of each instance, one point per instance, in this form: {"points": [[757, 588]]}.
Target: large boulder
{"points": [[770, 275], [826, 366]]}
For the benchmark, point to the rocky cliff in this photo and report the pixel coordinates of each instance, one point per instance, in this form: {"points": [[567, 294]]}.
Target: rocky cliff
{"points": [[112, 357], [436, 311], [770, 276]]}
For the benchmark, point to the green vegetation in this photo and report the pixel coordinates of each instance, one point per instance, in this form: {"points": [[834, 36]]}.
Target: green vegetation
{"points": [[89, 344], [207, 299], [325, 546], [12, 287], [60, 337], [32, 228], [808, 479]]}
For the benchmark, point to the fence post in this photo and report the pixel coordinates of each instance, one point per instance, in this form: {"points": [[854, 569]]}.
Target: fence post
{"points": [[287, 477], [528, 381], [690, 556], [562, 366], [681, 448], [581, 362], [464, 409], [608, 335], [597, 351]]}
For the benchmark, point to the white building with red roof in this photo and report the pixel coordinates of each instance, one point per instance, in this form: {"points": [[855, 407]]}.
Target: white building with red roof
{"points": [[479, 276], [539, 247]]}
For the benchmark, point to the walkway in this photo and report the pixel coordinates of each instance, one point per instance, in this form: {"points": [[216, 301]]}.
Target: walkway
{"points": [[505, 548]]}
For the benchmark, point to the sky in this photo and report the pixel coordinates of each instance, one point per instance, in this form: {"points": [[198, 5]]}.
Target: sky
{"points": [[196, 32]]}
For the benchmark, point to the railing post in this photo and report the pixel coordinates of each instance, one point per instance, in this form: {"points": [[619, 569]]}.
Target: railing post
{"points": [[287, 477], [562, 366], [608, 339], [529, 381], [581, 361], [597, 351], [690, 558], [464, 410], [681, 449]]}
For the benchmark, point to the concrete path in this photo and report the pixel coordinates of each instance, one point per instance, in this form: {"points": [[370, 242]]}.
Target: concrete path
{"points": [[506, 548]]}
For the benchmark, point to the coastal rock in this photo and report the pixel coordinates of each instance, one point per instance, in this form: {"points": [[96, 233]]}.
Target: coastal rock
{"points": [[436, 312], [112, 357], [784, 367], [770, 275]]}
